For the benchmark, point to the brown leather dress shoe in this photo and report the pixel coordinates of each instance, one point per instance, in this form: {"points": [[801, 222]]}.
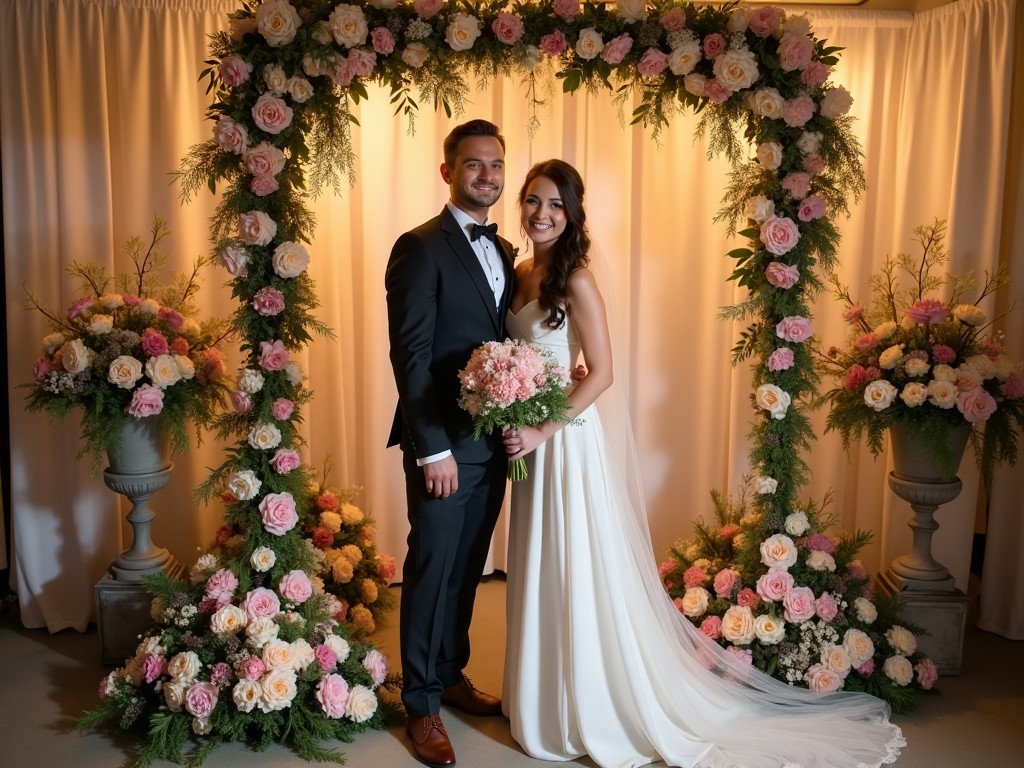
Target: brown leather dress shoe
{"points": [[464, 696], [430, 741]]}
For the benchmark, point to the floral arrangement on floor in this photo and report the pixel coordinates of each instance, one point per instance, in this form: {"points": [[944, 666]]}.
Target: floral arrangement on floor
{"points": [[931, 363], [130, 347], [792, 600]]}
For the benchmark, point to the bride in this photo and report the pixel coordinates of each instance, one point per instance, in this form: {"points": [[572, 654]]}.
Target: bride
{"points": [[599, 661]]}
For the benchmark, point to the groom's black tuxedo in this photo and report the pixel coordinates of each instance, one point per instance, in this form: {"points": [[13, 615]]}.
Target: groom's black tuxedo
{"points": [[441, 308]]}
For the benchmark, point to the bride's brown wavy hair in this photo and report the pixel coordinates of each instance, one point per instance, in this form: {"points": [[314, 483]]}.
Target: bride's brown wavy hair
{"points": [[572, 249]]}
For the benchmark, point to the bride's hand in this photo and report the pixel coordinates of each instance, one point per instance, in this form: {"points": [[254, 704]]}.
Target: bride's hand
{"points": [[519, 442]]}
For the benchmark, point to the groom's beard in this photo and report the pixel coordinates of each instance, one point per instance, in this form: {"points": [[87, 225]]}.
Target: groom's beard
{"points": [[481, 195]]}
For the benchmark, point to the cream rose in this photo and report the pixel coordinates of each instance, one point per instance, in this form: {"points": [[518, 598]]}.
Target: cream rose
{"points": [[101, 324], [885, 330], [890, 358], [759, 208], [339, 645], [778, 551], [290, 260], [462, 31], [767, 102], [769, 155], [821, 561], [75, 356], [969, 314], [695, 601], [773, 399], [899, 670], [277, 690], [809, 142], [684, 57], [901, 639], [797, 523], [124, 371], [348, 25], [415, 55], [184, 667], [52, 342], [276, 79], [148, 307], [244, 485], [859, 645], [589, 44], [736, 69], [174, 694], [769, 630], [879, 394], [916, 367], [163, 371], [278, 22], [944, 372], [836, 102], [186, 367], [228, 620], [111, 301], [941, 393], [738, 625], [264, 437], [277, 654], [262, 559], [250, 381], [246, 695], [765, 485], [866, 610], [299, 88], [914, 394], [837, 659], [261, 631], [967, 377], [983, 364]]}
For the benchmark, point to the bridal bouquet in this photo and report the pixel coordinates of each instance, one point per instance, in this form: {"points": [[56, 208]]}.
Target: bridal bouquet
{"points": [[514, 384], [129, 348], [930, 363]]}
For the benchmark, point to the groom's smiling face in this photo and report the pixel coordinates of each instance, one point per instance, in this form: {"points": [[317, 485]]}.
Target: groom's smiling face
{"points": [[476, 175]]}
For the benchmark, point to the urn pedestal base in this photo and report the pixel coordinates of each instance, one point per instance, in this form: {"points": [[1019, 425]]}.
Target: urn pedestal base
{"points": [[942, 614], [122, 614]]}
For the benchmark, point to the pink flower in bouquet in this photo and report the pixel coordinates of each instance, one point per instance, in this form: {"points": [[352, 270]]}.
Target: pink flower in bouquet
{"points": [[856, 570], [728, 532], [779, 234], [774, 585], [342, 612], [694, 576], [927, 673], [282, 408], [376, 663], [781, 359], [554, 43], [322, 538], [943, 354], [278, 513], [855, 378], [713, 45], [152, 667], [673, 19], [200, 699], [725, 581], [795, 52], [427, 8], [1012, 388], [652, 63], [327, 501], [261, 602], [242, 401], [797, 183], [976, 405], [332, 693], [782, 275], [131, 300], [387, 568], [180, 346], [325, 657], [219, 673], [866, 341], [40, 368], [744, 655], [255, 228], [147, 400], [295, 586], [154, 343], [174, 319], [821, 679], [234, 71], [794, 328], [271, 114], [361, 61], [252, 668], [813, 164], [815, 74], [748, 597], [210, 365], [261, 186], [992, 348], [765, 20], [811, 208], [665, 568], [221, 585], [796, 113], [852, 314], [867, 668], [383, 41], [566, 10], [711, 627], [820, 542], [615, 50], [718, 94], [927, 311], [285, 460], [507, 27], [825, 607], [798, 604], [273, 355]]}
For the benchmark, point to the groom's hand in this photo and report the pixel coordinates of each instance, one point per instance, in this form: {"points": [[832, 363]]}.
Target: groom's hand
{"points": [[442, 477]]}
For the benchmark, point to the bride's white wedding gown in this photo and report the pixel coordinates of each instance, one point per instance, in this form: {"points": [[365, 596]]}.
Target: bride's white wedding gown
{"points": [[600, 662]]}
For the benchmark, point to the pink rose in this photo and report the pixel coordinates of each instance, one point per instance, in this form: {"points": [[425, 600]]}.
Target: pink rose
{"points": [[383, 41], [221, 585], [200, 699], [856, 570], [866, 341], [725, 581], [795, 52], [387, 568], [867, 668], [798, 184], [765, 20], [813, 164], [174, 319], [332, 690], [567, 10], [40, 368], [825, 607], [615, 50], [79, 306], [744, 655], [261, 186], [256, 228], [234, 71], [716, 92], [271, 114], [242, 401], [152, 667], [285, 460], [342, 73], [779, 234], [230, 136], [811, 208], [180, 346], [273, 355], [943, 354], [820, 542], [815, 74], [130, 300], [775, 584], [747, 597], [427, 8], [853, 314], [278, 513], [797, 112], [1012, 388], [147, 400], [268, 301], [264, 160], [728, 531], [781, 359], [376, 663], [325, 657], [713, 45], [673, 19], [927, 673], [798, 604], [295, 587], [711, 627], [153, 342], [234, 259], [927, 311], [554, 43], [794, 328], [694, 576], [282, 408], [821, 679], [782, 275], [652, 63], [361, 61], [508, 27], [261, 602], [976, 404], [252, 668]]}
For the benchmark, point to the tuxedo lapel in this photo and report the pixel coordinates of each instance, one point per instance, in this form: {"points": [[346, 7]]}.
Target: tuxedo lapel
{"points": [[460, 246]]}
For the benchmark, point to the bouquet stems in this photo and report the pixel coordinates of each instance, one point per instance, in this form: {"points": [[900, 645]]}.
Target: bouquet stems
{"points": [[517, 470]]}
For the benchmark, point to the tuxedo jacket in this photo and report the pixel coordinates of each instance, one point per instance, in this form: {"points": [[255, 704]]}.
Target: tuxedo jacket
{"points": [[440, 308]]}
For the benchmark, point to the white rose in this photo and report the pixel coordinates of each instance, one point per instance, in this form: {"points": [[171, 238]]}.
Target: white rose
{"points": [[1003, 367], [739, 20], [250, 381], [769, 155], [796, 25], [769, 630], [101, 324], [124, 371], [277, 21], [415, 54], [631, 11], [277, 690], [684, 57], [361, 704], [797, 523], [738, 625], [290, 260], [462, 31], [969, 314], [736, 69], [186, 367], [944, 372], [244, 485], [262, 559], [695, 601], [277, 654], [916, 367], [314, 66], [174, 694], [809, 142], [821, 561], [339, 645], [865, 609], [163, 371], [759, 208], [885, 330], [890, 358], [589, 44], [879, 394], [983, 364], [696, 84], [941, 393], [967, 377], [778, 551], [767, 102], [835, 102], [899, 670], [75, 356], [302, 654], [228, 620], [275, 78], [246, 694], [348, 24], [261, 631], [774, 400], [837, 659], [859, 645], [264, 437], [914, 394], [765, 485], [111, 301], [300, 89], [148, 307], [901, 639], [52, 342], [293, 373], [184, 667]]}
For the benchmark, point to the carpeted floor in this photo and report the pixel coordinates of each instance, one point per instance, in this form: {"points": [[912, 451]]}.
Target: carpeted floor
{"points": [[47, 680]]}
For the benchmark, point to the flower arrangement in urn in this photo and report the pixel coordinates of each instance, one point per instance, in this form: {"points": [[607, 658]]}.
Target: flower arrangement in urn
{"points": [[792, 600], [130, 348], [932, 364]]}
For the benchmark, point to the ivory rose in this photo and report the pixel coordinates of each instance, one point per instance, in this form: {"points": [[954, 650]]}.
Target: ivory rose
{"points": [[738, 625], [245, 695], [899, 670], [767, 102], [859, 645], [773, 399], [277, 690], [631, 11], [462, 31], [361, 704], [769, 630], [300, 89], [778, 551], [736, 69], [75, 357], [264, 437], [683, 58], [290, 259], [348, 25], [836, 102], [415, 55], [879, 394], [124, 371], [244, 485], [163, 371], [589, 44], [695, 601], [262, 559], [278, 22], [969, 314]]}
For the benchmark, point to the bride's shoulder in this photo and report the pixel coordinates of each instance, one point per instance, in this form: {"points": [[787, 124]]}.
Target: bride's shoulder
{"points": [[523, 267], [581, 279]]}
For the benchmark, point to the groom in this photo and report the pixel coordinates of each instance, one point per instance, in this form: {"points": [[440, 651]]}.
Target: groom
{"points": [[448, 286]]}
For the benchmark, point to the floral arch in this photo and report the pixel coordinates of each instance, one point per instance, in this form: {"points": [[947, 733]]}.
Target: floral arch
{"points": [[283, 78]]}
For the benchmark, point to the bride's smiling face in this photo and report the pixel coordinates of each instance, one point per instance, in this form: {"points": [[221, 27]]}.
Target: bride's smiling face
{"points": [[542, 212]]}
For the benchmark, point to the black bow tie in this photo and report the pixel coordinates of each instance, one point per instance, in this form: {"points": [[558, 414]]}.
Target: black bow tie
{"points": [[489, 231]]}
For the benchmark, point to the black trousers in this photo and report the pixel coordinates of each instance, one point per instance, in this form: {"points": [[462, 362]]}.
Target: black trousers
{"points": [[447, 548]]}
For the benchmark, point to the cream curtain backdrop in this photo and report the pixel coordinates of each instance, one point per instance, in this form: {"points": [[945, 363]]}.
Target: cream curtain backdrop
{"points": [[112, 88]]}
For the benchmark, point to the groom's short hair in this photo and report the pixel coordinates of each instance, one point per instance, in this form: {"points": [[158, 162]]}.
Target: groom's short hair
{"points": [[465, 131]]}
